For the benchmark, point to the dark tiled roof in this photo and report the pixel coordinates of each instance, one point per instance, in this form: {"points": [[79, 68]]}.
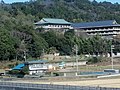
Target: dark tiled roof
{"points": [[95, 24]]}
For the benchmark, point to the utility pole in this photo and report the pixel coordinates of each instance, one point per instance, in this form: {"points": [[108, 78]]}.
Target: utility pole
{"points": [[43, 53], [76, 50], [25, 55], [112, 56]]}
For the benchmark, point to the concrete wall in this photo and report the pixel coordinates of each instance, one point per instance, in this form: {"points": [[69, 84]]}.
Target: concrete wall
{"points": [[18, 88]]}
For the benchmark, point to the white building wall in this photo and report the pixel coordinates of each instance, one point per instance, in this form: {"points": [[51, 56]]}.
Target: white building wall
{"points": [[75, 63], [103, 32], [54, 26], [37, 68], [35, 72], [118, 55]]}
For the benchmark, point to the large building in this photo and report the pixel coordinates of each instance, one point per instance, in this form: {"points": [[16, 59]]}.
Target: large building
{"points": [[50, 23], [108, 28]]}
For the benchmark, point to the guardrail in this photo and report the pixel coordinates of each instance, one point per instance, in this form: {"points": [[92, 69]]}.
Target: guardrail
{"points": [[28, 86], [106, 76]]}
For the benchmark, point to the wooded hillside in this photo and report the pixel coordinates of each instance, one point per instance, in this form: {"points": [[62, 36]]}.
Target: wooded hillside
{"points": [[17, 33]]}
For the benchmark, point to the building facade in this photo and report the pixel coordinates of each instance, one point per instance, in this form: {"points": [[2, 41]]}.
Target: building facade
{"points": [[53, 24], [37, 67], [108, 28]]}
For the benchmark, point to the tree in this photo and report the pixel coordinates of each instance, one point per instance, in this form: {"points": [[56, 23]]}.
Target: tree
{"points": [[17, 24], [36, 46], [21, 51], [52, 50], [7, 50]]}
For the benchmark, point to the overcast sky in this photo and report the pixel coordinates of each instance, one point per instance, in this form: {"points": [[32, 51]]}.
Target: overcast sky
{"points": [[11, 1]]}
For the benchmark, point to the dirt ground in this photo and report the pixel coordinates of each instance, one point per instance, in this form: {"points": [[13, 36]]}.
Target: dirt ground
{"points": [[113, 83]]}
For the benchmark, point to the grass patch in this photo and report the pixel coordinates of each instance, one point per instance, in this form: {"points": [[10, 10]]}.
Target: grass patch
{"points": [[96, 68]]}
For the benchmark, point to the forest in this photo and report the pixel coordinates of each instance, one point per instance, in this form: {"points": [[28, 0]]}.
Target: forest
{"points": [[18, 36]]}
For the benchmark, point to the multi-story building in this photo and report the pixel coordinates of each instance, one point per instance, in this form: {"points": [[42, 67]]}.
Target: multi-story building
{"points": [[50, 23], [108, 28]]}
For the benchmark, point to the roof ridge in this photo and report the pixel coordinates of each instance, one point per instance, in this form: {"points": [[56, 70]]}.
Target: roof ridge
{"points": [[54, 18], [98, 21]]}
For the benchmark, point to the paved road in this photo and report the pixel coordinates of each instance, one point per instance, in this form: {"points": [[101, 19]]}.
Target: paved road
{"points": [[28, 86]]}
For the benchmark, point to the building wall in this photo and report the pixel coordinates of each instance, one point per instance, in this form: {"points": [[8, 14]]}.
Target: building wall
{"points": [[36, 72], [106, 31], [37, 68], [75, 63], [59, 28], [53, 26]]}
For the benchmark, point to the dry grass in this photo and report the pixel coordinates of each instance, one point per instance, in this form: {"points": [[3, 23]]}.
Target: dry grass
{"points": [[113, 83], [8, 64], [97, 68], [100, 82]]}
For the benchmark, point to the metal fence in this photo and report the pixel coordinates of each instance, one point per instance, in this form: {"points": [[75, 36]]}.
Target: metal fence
{"points": [[28, 86]]}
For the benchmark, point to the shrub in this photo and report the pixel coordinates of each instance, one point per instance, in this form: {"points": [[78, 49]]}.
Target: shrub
{"points": [[25, 70], [93, 60], [55, 74], [14, 72], [10, 65]]}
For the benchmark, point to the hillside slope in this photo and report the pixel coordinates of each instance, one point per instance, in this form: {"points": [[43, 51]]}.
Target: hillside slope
{"points": [[17, 32]]}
